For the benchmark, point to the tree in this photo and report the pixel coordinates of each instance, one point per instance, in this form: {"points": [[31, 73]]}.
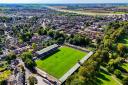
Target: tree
{"points": [[27, 58], [26, 36], [22, 68], [108, 43], [58, 34], [3, 82], [110, 68], [125, 81], [60, 40], [29, 63], [34, 45], [114, 25], [1, 52], [117, 73], [32, 80], [26, 55], [10, 56], [115, 62], [120, 48], [105, 56], [98, 40], [40, 32], [51, 33], [79, 40], [87, 72], [114, 55]]}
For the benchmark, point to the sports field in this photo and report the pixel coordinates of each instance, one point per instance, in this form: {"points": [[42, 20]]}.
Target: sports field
{"points": [[61, 61]]}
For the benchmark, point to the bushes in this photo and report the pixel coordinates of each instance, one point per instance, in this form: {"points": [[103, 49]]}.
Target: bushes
{"points": [[27, 59], [1, 52], [10, 56], [110, 69], [3, 82], [79, 40], [121, 48], [125, 81], [57, 37], [117, 73], [32, 80], [108, 53]]}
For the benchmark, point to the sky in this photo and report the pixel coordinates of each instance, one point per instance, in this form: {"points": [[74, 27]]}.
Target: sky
{"points": [[63, 1]]}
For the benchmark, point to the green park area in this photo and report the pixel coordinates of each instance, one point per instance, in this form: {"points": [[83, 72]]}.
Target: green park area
{"points": [[59, 62], [103, 78], [125, 66], [120, 12]]}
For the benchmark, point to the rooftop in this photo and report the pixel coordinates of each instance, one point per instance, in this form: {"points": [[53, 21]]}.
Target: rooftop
{"points": [[47, 49]]}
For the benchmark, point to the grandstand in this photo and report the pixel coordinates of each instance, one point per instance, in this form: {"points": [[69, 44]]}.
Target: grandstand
{"points": [[48, 50]]}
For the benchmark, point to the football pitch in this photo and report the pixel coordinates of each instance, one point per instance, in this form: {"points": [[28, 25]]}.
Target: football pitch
{"points": [[58, 63]]}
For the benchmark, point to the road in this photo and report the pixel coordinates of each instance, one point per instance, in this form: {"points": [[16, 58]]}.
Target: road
{"points": [[41, 81]]}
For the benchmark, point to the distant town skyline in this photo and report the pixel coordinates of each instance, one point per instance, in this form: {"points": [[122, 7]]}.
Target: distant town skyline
{"points": [[63, 1]]}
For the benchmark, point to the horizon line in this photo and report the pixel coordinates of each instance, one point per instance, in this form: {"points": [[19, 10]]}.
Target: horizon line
{"points": [[71, 3]]}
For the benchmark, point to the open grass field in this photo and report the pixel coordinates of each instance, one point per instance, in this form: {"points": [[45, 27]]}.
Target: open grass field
{"points": [[58, 63], [120, 12], [98, 12], [104, 78]]}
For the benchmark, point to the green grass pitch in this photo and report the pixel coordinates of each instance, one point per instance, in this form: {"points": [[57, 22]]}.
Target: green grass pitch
{"points": [[61, 61]]}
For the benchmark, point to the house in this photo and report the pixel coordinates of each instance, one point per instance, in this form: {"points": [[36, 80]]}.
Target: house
{"points": [[12, 80]]}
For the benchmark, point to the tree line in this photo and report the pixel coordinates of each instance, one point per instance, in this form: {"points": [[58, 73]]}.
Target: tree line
{"points": [[109, 54]]}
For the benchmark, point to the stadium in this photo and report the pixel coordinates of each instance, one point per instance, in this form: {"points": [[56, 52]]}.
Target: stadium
{"points": [[58, 60]]}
